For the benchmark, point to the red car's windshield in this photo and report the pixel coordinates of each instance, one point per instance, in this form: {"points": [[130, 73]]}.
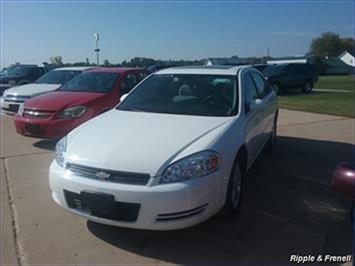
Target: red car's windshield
{"points": [[101, 82]]}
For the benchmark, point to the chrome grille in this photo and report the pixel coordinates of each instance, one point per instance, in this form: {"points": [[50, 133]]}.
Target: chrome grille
{"points": [[15, 98], [109, 175], [27, 113]]}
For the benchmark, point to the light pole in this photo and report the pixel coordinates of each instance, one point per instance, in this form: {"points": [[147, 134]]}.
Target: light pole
{"points": [[97, 50]]}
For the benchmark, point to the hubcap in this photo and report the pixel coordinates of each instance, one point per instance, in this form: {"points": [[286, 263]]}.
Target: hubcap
{"points": [[308, 86], [236, 187], [276, 88]]}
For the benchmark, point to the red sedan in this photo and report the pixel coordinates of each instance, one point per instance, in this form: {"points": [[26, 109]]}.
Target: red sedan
{"points": [[89, 94]]}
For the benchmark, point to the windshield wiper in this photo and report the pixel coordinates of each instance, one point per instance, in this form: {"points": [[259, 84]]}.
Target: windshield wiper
{"points": [[133, 110]]}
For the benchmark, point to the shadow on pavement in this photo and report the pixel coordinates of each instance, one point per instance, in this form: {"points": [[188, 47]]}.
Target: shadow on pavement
{"points": [[46, 144], [289, 208]]}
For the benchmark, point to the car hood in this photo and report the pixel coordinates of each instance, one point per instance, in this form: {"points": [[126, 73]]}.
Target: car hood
{"points": [[141, 142], [32, 89], [60, 99]]}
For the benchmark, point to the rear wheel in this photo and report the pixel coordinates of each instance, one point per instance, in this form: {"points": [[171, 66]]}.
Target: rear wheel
{"points": [[276, 88], [307, 87], [234, 192]]}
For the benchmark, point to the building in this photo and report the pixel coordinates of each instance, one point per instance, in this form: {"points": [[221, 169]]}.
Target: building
{"points": [[348, 58], [234, 60], [336, 66], [288, 60]]}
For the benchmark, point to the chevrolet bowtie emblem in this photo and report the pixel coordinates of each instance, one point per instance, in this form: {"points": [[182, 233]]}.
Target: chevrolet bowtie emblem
{"points": [[102, 175]]}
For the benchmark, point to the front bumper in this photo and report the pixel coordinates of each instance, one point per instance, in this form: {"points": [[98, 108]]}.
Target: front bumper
{"points": [[4, 87], [162, 207], [10, 107], [45, 128]]}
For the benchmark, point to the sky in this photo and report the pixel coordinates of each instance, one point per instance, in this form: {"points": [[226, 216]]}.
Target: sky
{"points": [[33, 31]]}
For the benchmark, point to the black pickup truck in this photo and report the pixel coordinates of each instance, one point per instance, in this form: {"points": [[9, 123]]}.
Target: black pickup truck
{"points": [[20, 75], [284, 77]]}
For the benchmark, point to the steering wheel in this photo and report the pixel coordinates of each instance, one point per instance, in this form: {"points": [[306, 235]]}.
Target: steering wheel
{"points": [[211, 99]]}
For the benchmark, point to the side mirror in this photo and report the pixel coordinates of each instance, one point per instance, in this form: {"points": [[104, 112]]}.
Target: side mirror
{"points": [[123, 97], [256, 104]]}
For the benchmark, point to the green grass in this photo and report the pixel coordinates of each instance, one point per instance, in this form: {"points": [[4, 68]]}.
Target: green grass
{"points": [[333, 103], [336, 82]]}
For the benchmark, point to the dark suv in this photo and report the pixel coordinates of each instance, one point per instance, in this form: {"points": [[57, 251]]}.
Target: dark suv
{"points": [[285, 77], [20, 75]]}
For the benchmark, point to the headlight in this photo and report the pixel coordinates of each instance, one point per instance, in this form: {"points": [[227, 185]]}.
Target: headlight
{"points": [[73, 112], [60, 150], [4, 94], [191, 167]]}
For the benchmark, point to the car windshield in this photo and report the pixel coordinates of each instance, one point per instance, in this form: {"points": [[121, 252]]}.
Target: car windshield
{"points": [[272, 70], [187, 94], [58, 76], [101, 82], [19, 71]]}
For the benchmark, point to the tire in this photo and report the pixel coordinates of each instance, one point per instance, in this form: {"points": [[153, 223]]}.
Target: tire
{"points": [[235, 192], [270, 145], [307, 87], [276, 88]]}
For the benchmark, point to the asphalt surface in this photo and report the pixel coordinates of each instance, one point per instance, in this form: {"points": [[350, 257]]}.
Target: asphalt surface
{"points": [[289, 208]]}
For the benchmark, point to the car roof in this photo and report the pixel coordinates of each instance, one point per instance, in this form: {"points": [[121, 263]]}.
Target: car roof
{"points": [[119, 70], [26, 66], [73, 68], [214, 69]]}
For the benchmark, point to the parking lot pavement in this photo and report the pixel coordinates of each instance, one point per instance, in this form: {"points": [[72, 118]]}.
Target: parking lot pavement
{"points": [[289, 207]]}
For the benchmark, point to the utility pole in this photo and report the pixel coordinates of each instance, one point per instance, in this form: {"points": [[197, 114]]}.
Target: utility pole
{"points": [[97, 50], [267, 54]]}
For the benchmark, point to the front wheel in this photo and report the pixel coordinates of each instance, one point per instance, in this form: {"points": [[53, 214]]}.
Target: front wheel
{"points": [[234, 192]]}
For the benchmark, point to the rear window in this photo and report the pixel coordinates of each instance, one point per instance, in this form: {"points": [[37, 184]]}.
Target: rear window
{"points": [[273, 70], [58, 76]]}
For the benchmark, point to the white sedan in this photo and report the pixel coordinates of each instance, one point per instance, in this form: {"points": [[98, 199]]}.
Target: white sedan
{"points": [[172, 154], [14, 97]]}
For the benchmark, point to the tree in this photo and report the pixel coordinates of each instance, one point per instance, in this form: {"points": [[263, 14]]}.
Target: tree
{"points": [[348, 44], [56, 60], [330, 44], [106, 63]]}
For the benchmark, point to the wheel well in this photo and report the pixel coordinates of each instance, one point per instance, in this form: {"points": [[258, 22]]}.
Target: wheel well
{"points": [[242, 155], [23, 82]]}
